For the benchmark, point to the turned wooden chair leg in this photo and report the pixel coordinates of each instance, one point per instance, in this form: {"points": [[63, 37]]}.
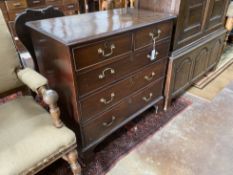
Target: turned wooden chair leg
{"points": [[72, 159]]}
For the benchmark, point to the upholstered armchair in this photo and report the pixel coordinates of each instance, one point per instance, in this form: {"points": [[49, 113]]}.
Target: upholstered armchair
{"points": [[229, 21], [31, 138]]}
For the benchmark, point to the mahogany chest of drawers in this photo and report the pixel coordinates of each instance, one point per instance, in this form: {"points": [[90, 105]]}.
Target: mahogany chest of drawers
{"points": [[100, 64]]}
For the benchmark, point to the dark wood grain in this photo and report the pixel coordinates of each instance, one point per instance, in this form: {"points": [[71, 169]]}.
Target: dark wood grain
{"points": [[89, 55], [197, 22], [196, 18], [107, 122], [87, 27], [143, 38], [216, 14], [90, 81], [92, 105]]}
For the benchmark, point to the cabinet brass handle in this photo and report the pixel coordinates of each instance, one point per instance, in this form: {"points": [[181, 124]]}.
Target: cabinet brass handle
{"points": [[17, 4], [102, 75], [102, 100], [105, 124], [102, 51], [146, 99], [149, 78], [155, 36]]}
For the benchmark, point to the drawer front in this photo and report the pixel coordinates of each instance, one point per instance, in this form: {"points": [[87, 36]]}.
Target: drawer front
{"points": [[16, 4], [106, 98], [102, 51], [144, 36], [108, 122], [35, 3], [53, 2], [110, 73]]}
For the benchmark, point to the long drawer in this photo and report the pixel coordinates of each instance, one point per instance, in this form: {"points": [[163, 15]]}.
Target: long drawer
{"points": [[92, 54], [105, 75], [110, 120], [102, 100]]}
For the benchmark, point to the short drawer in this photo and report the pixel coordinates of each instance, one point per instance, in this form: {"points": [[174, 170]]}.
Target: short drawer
{"points": [[16, 4], [98, 52], [53, 2], [111, 120], [35, 3], [102, 100], [144, 36], [110, 73]]}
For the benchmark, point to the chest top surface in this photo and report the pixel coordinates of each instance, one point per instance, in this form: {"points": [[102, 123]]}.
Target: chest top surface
{"points": [[85, 27]]}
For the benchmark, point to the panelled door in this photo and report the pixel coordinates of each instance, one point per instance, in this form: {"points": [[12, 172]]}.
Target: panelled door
{"points": [[216, 14], [190, 22]]}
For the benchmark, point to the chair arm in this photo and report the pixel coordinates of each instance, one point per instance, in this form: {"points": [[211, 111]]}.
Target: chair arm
{"points": [[32, 79], [37, 83], [50, 97]]}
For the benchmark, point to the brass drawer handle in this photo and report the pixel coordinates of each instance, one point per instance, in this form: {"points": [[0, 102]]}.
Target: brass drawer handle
{"points": [[105, 124], [155, 36], [102, 51], [102, 100], [17, 4], [149, 78], [36, 2], [146, 99], [70, 6], [153, 56], [102, 76]]}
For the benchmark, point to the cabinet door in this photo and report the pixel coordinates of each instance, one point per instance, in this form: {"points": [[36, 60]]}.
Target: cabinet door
{"points": [[200, 62], [182, 73], [190, 22], [216, 14], [216, 51]]}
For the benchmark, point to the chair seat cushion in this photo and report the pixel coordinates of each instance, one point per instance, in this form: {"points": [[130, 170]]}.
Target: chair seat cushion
{"points": [[27, 136]]}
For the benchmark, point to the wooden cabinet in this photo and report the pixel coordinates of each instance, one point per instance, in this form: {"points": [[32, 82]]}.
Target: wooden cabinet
{"points": [[197, 42], [186, 69], [105, 76]]}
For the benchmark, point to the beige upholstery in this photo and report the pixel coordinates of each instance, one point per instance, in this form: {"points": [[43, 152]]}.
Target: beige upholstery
{"points": [[9, 59], [31, 78], [27, 136], [230, 10]]}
